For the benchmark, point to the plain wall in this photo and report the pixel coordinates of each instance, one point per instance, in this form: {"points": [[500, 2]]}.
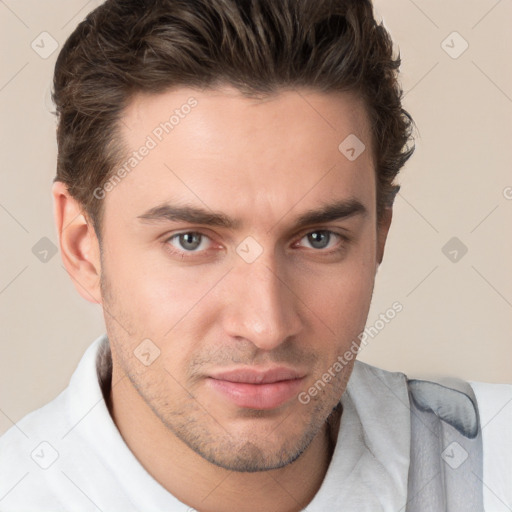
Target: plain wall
{"points": [[457, 315]]}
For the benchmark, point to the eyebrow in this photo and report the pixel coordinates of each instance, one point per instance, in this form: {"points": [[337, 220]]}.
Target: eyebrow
{"points": [[327, 213]]}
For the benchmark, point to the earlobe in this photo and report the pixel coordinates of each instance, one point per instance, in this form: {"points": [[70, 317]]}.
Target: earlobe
{"points": [[78, 244], [383, 226]]}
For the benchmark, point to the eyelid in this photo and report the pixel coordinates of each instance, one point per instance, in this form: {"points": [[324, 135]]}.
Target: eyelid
{"points": [[334, 231], [183, 253], [298, 236], [195, 254], [340, 236], [174, 234], [188, 231]]}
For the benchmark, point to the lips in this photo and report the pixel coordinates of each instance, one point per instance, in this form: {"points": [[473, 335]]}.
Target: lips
{"points": [[257, 389]]}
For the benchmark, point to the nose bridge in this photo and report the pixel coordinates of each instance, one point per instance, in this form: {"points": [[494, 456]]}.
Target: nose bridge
{"points": [[262, 306]]}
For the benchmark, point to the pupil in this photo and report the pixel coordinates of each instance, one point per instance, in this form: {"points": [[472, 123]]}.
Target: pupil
{"points": [[319, 239], [190, 240]]}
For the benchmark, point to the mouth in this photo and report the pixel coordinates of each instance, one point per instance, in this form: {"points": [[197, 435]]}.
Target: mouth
{"points": [[257, 389]]}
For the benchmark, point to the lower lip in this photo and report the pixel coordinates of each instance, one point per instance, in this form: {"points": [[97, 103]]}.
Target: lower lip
{"points": [[257, 396]]}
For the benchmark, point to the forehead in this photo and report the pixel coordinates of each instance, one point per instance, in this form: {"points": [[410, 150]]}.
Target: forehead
{"points": [[212, 113], [220, 149]]}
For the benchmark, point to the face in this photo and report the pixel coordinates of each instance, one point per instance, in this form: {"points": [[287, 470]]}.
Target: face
{"points": [[238, 262]]}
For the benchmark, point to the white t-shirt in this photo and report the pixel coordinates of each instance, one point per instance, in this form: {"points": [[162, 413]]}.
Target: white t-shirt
{"points": [[69, 455]]}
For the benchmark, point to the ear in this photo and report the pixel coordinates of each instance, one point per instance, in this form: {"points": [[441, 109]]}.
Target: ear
{"points": [[79, 245], [383, 225]]}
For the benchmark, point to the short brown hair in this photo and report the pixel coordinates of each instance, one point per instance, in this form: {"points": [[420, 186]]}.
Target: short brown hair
{"points": [[258, 46]]}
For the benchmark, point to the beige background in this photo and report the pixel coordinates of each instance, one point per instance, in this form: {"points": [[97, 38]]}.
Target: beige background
{"points": [[456, 317]]}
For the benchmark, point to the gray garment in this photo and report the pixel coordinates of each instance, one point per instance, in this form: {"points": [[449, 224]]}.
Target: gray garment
{"points": [[370, 463], [446, 468]]}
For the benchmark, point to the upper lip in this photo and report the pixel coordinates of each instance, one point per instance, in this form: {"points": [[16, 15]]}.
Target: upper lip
{"points": [[258, 376]]}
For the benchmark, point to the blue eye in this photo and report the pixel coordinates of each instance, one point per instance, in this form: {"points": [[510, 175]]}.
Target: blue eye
{"points": [[190, 241], [321, 239], [194, 244]]}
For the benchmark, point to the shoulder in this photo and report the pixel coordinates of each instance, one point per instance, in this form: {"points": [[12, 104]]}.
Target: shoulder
{"points": [[27, 451], [34, 450], [364, 373], [493, 398], [53, 420], [495, 408]]}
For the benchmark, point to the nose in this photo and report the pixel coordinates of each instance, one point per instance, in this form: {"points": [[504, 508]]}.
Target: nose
{"points": [[262, 307]]}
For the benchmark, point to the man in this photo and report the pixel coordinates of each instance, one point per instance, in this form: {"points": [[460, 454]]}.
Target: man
{"points": [[224, 190]]}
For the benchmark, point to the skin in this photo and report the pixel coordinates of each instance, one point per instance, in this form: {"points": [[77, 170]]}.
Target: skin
{"points": [[263, 163]]}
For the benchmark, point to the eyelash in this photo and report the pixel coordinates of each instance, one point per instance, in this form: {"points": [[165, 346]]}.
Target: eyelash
{"points": [[191, 254]]}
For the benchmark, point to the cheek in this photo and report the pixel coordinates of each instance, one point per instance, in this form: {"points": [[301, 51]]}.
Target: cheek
{"points": [[345, 307], [154, 292], [339, 297]]}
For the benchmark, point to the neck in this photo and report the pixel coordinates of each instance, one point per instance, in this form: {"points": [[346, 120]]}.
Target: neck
{"points": [[205, 486]]}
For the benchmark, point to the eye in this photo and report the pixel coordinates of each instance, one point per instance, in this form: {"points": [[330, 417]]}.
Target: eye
{"points": [[321, 239], [190, 241]]}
